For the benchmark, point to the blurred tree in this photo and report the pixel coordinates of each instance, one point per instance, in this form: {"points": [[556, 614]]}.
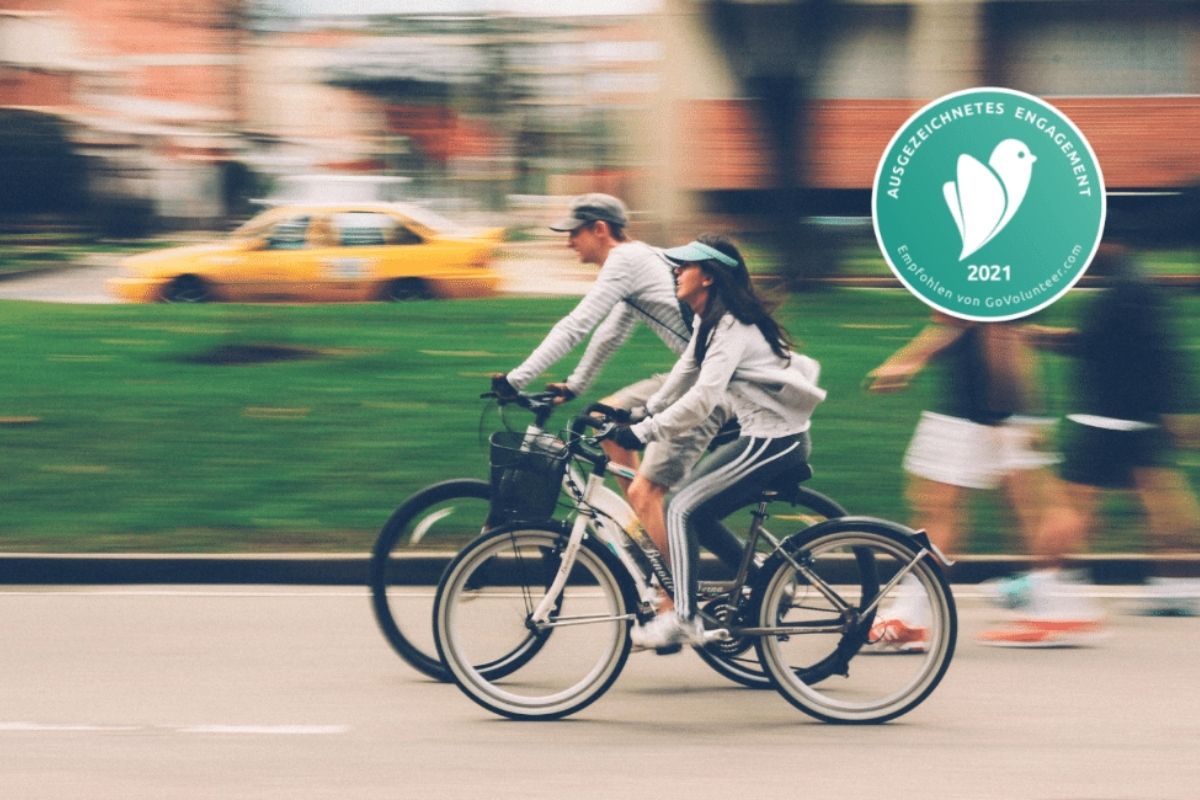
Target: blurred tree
{"points": [[42, 172], [775, 51]]}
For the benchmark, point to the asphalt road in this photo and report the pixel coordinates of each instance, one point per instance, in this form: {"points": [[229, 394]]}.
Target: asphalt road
{"points": [[259, 692], [81, 284]]}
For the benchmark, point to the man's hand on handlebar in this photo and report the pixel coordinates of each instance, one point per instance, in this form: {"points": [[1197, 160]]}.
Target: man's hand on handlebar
{"points": [[503, 389]]}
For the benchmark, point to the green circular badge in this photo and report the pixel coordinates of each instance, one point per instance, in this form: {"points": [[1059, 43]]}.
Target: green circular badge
{"points": [[988, 204]]}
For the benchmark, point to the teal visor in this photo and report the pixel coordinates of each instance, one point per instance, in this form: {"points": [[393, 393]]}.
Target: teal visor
{"points": [[698, 251]]}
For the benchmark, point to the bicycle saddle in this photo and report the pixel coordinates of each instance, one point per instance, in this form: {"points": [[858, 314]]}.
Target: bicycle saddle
{"points": [[786, 481]]}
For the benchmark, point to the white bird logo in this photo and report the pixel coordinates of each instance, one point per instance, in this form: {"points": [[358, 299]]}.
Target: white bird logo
{"points": [[985, 196]]}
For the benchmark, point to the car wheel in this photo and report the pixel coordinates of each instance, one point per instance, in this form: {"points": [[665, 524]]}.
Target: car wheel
{"points": [[406, 289], [187, 289]]}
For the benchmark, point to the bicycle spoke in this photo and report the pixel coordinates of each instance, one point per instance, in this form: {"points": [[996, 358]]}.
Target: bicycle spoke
{"points": [[820, 604], [565, 662]]}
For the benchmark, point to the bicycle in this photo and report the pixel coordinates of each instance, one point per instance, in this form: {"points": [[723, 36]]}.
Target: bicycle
{"points": [[807, 610], [461, 509]]}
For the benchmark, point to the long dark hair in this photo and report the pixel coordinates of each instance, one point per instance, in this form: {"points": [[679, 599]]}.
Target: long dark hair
{"points": [[731, 292]]}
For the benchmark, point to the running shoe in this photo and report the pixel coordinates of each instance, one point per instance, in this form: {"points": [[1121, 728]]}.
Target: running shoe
{"points": [[894, 636], [1171, 597], [1034, 633], [665, 631], [1012, 592]]}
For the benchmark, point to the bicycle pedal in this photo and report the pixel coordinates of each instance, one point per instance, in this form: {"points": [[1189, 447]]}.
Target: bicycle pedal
{"points": [[718, 635], [668, 650]]}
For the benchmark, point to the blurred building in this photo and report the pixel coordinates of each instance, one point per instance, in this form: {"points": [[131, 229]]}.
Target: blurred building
{"points": [[191, 106], [1128, 74], [151, 91]]}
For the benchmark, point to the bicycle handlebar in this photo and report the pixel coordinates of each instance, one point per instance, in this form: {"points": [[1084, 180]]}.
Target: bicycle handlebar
{"points": [[603, 418], [610, 413], [523, 399], [599, 416], [540, 404]]}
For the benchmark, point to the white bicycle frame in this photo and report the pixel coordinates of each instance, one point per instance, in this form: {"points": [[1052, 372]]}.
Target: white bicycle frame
{"points": [[602, 510], [608, 515]]}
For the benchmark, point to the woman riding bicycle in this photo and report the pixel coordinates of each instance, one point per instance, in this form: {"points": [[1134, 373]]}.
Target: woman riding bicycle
{"points": [[740, 356]]}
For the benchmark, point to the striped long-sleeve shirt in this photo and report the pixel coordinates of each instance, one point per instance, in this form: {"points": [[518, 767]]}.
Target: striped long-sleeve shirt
{"points": [[634, 284]]}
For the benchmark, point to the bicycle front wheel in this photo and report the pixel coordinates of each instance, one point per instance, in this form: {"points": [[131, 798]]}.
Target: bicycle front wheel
{"points": [[444, 515], [483, 611], [821, 605]]}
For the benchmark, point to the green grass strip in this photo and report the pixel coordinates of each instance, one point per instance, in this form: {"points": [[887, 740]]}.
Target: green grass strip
{"points": [[155, 428]]}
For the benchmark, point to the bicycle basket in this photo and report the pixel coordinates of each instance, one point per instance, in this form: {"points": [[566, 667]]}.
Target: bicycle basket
{"points": [[527, 474]]}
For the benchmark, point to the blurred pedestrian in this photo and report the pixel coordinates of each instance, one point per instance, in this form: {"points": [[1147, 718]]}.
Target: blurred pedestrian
{"points": [[1132, 391], [977, 437], [635, 284]]}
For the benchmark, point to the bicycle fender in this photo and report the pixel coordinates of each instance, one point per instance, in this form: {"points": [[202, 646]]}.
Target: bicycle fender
{"points": [[920, 538]]}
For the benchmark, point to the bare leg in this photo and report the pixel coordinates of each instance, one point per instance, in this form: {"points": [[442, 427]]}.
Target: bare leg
{"points": [[1172, 512], [619, 455], [1028, 492], [647, 499], [938, 508], [1070, 513]]}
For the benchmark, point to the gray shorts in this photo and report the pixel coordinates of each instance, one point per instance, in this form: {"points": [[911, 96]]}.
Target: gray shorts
{"points": [[667, 463]]}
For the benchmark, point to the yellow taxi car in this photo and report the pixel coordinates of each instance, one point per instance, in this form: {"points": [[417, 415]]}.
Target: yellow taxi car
{"points": [[322, 253]]}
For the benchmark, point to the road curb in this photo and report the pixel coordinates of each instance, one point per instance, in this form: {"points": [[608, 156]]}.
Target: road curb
{"points": [[351, 569]]}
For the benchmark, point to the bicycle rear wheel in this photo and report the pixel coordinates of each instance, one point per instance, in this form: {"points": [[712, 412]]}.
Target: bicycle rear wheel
{"points": [[826, 593], [791, 511], [483, 611], [443, 515]]}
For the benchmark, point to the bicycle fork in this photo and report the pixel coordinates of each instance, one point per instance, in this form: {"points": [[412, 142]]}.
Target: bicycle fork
{"points": [[540, 617]]}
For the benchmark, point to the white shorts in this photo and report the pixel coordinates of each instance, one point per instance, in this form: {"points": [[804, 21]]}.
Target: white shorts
{"points": [[975, 456]]}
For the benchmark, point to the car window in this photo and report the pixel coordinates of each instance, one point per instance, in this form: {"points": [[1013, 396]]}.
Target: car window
{"points": [[288, 234], [431, 219], [369, 229]]}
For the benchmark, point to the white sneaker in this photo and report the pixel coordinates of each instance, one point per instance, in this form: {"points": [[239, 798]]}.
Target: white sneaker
{"points": [[1059, 614], [1057, 595], [1011, 592], [902, 625], [665, 630], [1171, 597]]}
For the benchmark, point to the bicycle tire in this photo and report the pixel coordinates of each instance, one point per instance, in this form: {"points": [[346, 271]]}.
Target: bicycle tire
{"points": [[474, 617], [404, 618], [737, 660], [854, 692]]}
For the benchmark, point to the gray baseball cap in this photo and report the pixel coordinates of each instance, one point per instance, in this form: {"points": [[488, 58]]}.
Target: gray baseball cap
{"points": [[591, 207]]}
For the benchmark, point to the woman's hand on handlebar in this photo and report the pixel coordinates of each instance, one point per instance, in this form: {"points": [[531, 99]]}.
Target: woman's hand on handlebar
{"points": [[612, 424], [610, 413], [562, 393], [626, 438]]}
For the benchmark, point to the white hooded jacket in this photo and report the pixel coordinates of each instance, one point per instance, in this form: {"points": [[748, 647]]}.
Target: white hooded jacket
{"points": [[771, 396]]}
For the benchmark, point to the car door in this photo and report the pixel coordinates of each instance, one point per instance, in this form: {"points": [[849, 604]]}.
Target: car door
{"points": [[272, 270], [371, 243]]}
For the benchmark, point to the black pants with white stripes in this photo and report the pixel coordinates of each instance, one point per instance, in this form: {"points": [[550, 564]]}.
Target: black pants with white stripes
{"points": [[731, 477]]}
